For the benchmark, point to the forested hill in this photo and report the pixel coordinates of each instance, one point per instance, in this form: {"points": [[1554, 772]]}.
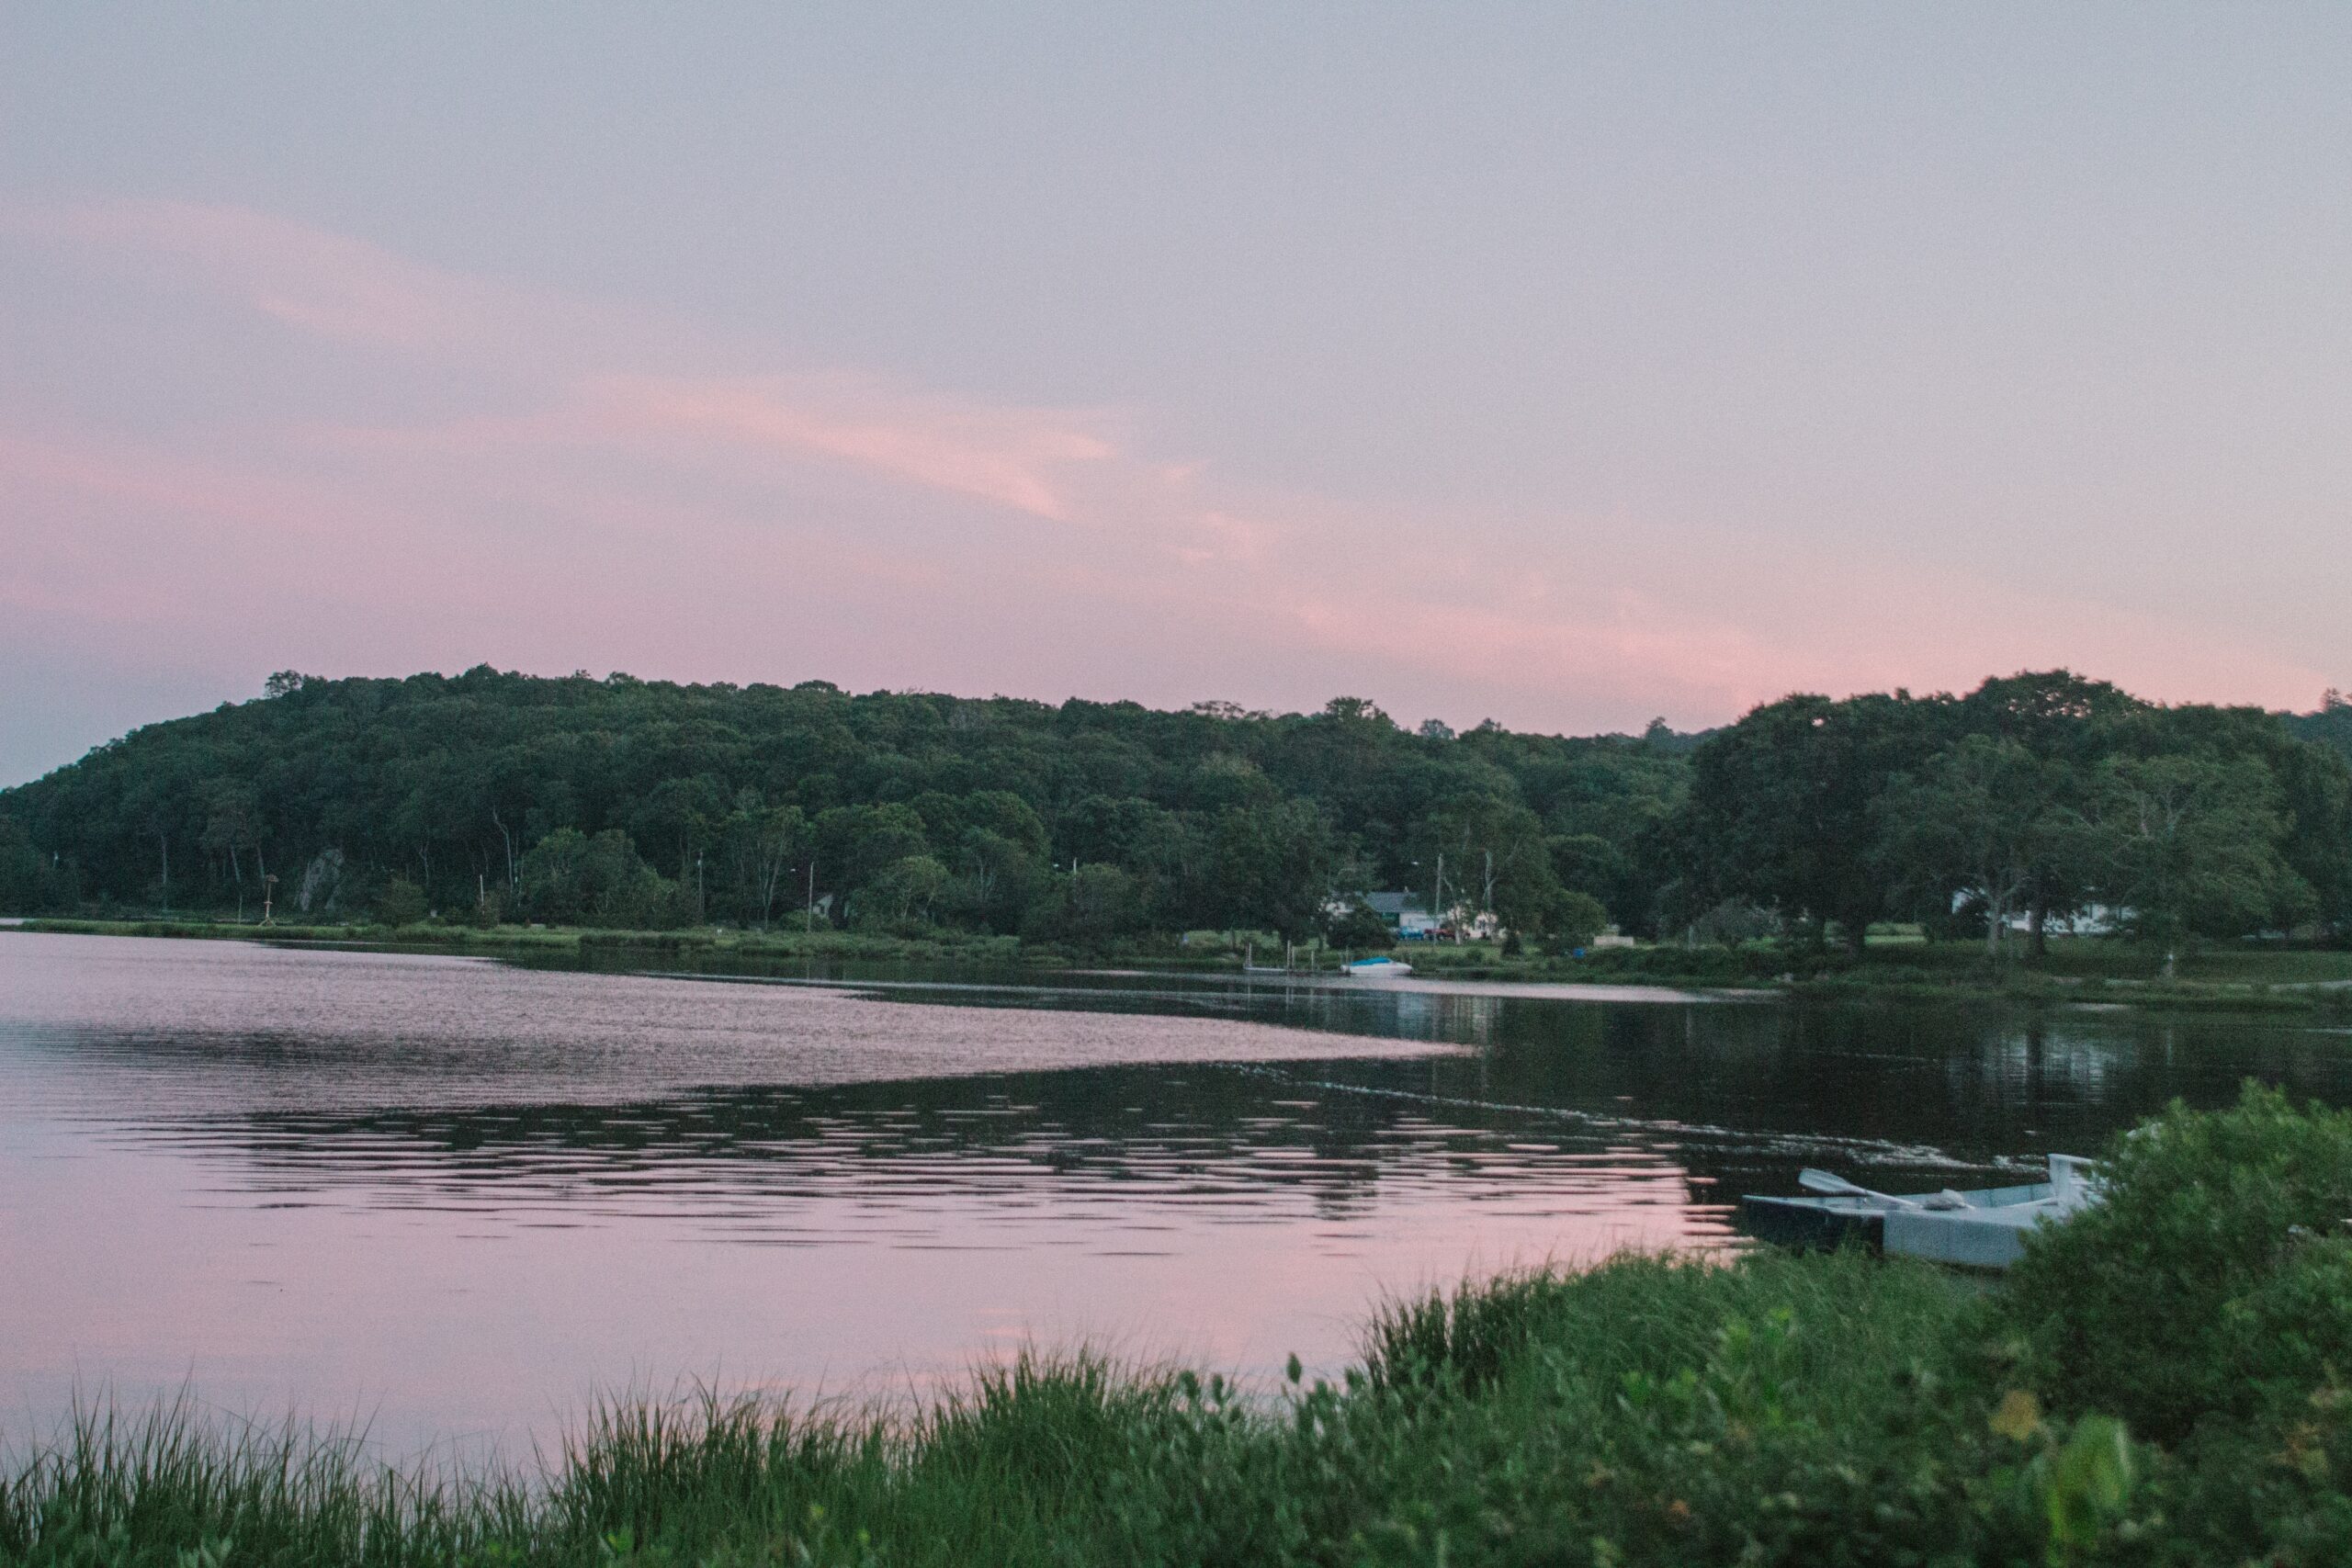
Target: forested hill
{"points": [[736, 795], [630, 803]]}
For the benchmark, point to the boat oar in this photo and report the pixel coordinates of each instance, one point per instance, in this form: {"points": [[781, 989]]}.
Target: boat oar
{"points": [[1830, 1186]]}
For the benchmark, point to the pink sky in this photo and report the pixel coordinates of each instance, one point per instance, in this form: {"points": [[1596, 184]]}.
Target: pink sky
{"points": [[242, 434]]}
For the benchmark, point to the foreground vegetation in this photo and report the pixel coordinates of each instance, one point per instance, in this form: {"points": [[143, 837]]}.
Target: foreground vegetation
{"points": [[2159, 1383]]}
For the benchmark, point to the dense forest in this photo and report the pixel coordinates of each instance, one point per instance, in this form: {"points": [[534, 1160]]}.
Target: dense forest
{"points": [[627, 803]]}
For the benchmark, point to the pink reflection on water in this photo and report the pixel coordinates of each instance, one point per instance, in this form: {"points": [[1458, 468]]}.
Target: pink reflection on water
{"points": [[461, 1198]]}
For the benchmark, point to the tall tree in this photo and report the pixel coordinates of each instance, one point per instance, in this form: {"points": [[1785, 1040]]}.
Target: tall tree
{"points": [[1779, 808], [1271, 865], [2189, 844], [2067, 722], [1982, 816], [1499, 860]]}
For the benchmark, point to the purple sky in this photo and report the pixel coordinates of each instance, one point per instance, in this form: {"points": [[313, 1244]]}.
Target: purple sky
{"points": [[1562, 365]]}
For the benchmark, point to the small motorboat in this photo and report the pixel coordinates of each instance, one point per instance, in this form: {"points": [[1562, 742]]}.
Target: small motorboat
{"points": [[1380, 968], [1984, 1228]]}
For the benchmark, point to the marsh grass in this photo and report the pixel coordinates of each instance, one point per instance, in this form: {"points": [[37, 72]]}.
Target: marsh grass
{"points": [[1771, 1410], [172, 1486], [1476, 1418]]}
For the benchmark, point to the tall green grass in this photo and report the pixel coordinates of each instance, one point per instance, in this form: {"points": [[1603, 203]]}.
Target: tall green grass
{"points": [[170, 1485], [1651, 1410]]}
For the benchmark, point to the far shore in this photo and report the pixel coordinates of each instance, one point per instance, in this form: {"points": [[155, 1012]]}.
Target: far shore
{"points": [[2085, 973]]}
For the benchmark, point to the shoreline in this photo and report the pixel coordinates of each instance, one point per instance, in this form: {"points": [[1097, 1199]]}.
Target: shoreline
{"points": [[1646, 976]]}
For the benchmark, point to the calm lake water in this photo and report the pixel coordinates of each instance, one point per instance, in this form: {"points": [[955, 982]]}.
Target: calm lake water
{"points": [[456, 1199]]}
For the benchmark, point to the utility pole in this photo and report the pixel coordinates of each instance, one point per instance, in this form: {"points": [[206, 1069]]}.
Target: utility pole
{"points": [[811, 924], [268, 892]]}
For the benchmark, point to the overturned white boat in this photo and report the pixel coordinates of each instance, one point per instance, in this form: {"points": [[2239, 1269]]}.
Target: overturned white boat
{"points": [[1377, 968], [1984, 1228]]}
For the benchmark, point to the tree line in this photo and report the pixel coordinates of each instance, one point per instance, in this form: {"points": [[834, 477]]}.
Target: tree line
{"points": [[646, 805], [2034, 798]]}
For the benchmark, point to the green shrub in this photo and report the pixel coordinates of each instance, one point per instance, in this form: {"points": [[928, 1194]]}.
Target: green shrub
{"points": [[2214, 1280], [400, 903]]}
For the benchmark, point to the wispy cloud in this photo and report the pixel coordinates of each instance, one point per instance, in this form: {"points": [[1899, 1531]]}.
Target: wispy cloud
{"points": [[303, 276], [605, 375], [177, 488], [1008, 456]]}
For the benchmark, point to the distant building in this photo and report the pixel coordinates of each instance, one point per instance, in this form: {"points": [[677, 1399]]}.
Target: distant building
{"points": [[1407, 914]]}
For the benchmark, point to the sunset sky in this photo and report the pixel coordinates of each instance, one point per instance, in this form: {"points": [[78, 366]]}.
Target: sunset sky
{"points": [[1562, 365]]}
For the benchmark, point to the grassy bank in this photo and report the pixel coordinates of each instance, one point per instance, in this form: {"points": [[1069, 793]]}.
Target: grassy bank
{"points": [[2156, 1384]]}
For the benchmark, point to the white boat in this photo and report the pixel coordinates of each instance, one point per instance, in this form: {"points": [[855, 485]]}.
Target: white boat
{"points": [[1984, 1228], [1377, 968]]}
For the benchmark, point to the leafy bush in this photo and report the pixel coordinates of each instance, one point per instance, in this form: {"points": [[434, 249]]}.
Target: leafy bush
{"points": [[571, 878], [1358, 927], [1576, 919], [2214, 1281], [400, 902]]}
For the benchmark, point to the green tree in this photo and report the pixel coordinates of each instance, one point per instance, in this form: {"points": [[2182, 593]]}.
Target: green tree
{"points": [[855, 843], [1587, 861], [1091, 907], [1102, 901], [764, 844], [1984, 816], [233, 825], [1098, 828], [400, 903], [1576, 919], [996, 879], [23, 883], [905, 889], [1497, 857], [1271, 863], [2189, 846], [557, 886], [1357, 926], [600, 881], [2067, 723], [684, 816], [1008, 816], [1780, 807]]}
